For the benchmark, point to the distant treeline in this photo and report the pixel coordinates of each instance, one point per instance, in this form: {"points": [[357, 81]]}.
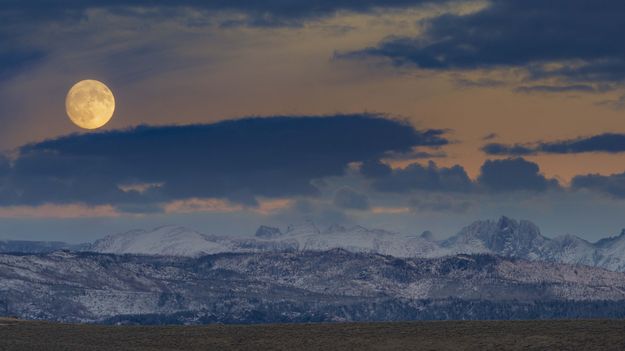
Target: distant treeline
{"points": [[390, 310]]}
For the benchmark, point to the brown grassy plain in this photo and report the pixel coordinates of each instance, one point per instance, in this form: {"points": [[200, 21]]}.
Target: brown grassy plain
{"points": [[453, 335]]}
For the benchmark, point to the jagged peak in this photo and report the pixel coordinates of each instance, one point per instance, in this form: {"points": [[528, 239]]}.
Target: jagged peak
{"points": [[268, 232], [308, 227], [336, 228], [505, 235], [427, 235], [610, 240], [570, 238], [506, 223]]}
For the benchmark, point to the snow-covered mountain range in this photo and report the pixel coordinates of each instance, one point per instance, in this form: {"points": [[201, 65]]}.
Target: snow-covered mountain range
{"points": [[180, 241], [522, 239], [335, 285], [502, 269], [504, 237]]}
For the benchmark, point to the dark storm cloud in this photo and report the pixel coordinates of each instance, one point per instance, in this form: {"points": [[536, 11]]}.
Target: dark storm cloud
{"points": [[349, 199], [5, 166], [375, 169], [583, 36], [416, 154], [419, 177], [504, 149], [607, 142], [513, 174], [236, 160], [611, 184]]}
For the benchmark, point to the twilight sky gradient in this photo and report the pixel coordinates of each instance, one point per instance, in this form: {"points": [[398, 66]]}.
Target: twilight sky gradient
{"points": [[409, 115]]}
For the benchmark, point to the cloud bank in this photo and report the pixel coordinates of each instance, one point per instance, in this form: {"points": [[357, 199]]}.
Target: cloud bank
{"points": [[573, 41], [237, 160], [496, 176]]}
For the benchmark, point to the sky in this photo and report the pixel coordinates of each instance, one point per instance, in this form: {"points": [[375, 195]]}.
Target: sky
{"points": [[408, 115]]}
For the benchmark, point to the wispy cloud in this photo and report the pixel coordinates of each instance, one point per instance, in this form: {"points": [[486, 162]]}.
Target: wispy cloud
{"points": [[65, 211], [607, 142]]}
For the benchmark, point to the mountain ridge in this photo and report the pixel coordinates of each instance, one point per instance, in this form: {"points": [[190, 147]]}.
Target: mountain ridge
{"points": [[505, 236], [304, 286]]}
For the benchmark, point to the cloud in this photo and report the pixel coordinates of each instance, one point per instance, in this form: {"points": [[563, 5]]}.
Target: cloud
{"points": [[415, 154], [27, 28], [615, 104], [504, 149], [259, 13], [236, 160], [375, 169], [573, 88], [390, 210], [607, 142], [514, 174], [310, 210], [221, 206], [349, 199], [16, 60], [574, 41], [418, 177], [478, 83], [490, 136], [5, 165], [67, 211], [608, 184]]}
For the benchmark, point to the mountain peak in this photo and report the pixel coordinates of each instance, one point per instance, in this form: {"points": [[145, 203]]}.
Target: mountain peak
{"points": [[168, 240], [609, 241], [336, 228], [506, 223], [506, 237], [307, 227], [267, 232], [570, 239], [427, 235]]}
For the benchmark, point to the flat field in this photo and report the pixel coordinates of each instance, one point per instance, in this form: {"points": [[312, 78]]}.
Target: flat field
{"points": [[453, 335]]}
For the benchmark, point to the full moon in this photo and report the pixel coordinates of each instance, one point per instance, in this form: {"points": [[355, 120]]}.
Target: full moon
{"points": [[90, 104]]}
